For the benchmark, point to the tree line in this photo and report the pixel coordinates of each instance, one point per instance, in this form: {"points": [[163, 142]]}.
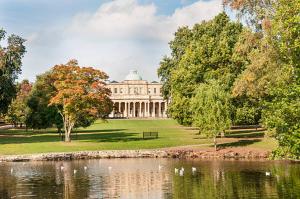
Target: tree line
{"points": [[223, 72], [64, 97]]}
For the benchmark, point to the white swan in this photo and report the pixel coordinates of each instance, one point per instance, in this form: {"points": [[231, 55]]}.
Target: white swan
{"points": [[159, 167], [181, 172], [176, 170]]}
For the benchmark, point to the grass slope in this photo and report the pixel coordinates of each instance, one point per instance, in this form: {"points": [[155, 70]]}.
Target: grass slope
{"points": [[112, 135]]}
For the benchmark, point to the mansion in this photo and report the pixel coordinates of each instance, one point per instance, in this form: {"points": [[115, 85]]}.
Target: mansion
{"points": [[137, 98]]}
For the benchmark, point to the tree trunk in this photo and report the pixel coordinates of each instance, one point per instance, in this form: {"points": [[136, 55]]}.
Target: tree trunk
{"points": [[215, 143], [68, 126]]}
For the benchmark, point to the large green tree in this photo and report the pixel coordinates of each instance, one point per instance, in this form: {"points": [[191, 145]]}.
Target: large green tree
{"points": [[41, 115], [210, 109], [282, 113], [272, 75], [200, 54], [18, 110], [10, 67]]}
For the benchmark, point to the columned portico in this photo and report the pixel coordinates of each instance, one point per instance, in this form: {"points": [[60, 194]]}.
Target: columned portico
{"points": [[135, 97], [140, 109]]}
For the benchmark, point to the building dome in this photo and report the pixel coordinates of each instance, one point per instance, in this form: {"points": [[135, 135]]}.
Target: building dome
{"points": [[133, 75]]}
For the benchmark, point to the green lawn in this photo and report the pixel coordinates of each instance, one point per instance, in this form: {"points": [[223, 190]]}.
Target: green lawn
{"points": [[111, 135]]}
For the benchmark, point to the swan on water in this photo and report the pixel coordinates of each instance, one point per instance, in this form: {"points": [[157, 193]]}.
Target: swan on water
{"points": [[176, 170], [159, 167], [181, 172]]}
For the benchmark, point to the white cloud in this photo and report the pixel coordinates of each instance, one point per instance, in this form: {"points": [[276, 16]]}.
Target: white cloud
{"points": [[127, 19], [118, 36]]}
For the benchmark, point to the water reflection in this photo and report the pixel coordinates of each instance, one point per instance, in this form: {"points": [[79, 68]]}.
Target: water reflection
{"points": [[149, 178]]}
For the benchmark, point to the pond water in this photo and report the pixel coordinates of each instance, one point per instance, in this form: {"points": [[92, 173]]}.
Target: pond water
{"points": [[149, 178]]}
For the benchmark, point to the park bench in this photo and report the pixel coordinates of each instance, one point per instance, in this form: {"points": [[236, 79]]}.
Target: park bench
{"points": [[150, 135]]}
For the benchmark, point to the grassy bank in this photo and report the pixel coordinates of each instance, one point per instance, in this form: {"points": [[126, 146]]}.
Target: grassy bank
{"points": [[122, 134]]}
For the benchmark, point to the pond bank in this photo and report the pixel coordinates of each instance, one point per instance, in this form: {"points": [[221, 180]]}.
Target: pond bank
{"points": [[231, 153]]}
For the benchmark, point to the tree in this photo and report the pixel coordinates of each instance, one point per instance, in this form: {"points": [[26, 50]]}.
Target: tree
{"points": [[178, 45], [199, 55], [10, 67], [79, 92], [254, 12], [210, 109], [282, 115], [41, 115], [18, 110], [282, 112], [273, 73]]}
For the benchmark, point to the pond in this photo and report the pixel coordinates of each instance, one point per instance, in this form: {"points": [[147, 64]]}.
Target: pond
{"points": [[150, 178]]}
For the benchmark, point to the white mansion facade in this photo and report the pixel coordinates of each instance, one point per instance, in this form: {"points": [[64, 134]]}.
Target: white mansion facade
{"points": [[135, 97]]}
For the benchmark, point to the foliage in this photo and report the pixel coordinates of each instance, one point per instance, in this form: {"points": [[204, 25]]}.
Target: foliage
{"points": [[80, 92], [10, 67], [247, 115], [199, 55], [18, 109], [211, 109], [254, 12], [272, 75], [282, 115], [41, 115], [183, 36]]}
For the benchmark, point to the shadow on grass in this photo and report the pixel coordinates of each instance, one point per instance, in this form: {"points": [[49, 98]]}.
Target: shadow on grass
{"points": [[238, 143], [111, 135], [253, 134], [244, 131]]}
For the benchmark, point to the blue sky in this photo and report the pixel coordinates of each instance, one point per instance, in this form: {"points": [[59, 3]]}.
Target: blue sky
{"points": [[114, 36]]}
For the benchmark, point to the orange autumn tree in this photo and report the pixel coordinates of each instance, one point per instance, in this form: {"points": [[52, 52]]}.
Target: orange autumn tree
{"points": [[80, 93]]}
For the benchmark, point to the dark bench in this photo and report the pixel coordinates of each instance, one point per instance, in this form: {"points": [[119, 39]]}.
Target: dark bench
{"points": [[150, 135]]}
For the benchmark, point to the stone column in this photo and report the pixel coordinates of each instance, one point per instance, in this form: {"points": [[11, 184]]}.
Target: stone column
{"points": [[114, 104], [148, 109], [119, 108], [133, 111], [140, 111], [125, 110], [153, 112], [159, 109], [145, 107]]}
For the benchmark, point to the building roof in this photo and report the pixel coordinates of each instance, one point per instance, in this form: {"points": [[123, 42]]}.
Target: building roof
{"points": [[133, 75]]}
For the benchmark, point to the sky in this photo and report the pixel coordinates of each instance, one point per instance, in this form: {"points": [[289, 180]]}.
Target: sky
{"points": [[112, 35]]}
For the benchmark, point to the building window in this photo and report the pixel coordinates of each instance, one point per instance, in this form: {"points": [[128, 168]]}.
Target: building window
{"points": [[116, 90], [149, 90], [154, 90], [121, 90]]}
